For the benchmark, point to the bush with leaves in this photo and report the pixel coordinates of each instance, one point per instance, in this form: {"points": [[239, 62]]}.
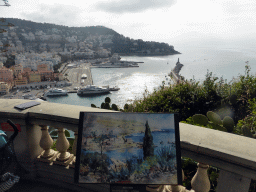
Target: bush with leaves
{"points": [[186, 98]]}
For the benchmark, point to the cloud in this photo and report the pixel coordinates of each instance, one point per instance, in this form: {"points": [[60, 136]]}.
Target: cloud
{"points": [[133, 6], [57, 14]]}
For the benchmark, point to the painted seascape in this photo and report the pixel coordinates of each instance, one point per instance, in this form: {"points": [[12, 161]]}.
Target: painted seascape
{"points": [[128, 148]]}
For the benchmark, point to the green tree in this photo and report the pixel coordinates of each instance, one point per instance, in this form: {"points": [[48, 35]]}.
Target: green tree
{"points": [[106, 105], [148, 149], [107, 100]]}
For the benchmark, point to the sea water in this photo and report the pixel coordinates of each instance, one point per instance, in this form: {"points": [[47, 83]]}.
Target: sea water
{"points": [[161, 140], [225, 61]]}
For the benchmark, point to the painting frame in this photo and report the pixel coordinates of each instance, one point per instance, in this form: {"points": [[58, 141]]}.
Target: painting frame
{"points": [[88, 150]]}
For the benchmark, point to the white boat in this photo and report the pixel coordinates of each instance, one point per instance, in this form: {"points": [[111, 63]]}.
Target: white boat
{"points": [[115, 88], [84, 76], [91, 90], [56, 92]]}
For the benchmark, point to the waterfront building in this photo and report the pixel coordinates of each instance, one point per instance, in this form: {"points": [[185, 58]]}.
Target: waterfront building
{"points": [[6, 75], [115, 58], [46, 75], [58, 76], [34, 76], [20, 80], [4, 88], [27, 69], [17, 69]]}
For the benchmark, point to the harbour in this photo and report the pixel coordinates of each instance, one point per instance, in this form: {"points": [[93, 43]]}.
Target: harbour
{"points": [[135, 82]]}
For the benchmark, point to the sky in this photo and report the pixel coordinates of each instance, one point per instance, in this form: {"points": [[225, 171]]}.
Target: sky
{"points": [[171, 21]]}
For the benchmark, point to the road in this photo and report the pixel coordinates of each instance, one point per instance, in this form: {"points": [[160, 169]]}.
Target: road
{"points": [[74, 75]]}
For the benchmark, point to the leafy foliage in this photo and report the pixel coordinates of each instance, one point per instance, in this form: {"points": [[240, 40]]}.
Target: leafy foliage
{"points": [[190, 97], [97, 162]]}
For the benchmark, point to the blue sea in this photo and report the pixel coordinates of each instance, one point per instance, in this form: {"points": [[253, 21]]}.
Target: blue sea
{"points": [[224, 60], [161, 140]]}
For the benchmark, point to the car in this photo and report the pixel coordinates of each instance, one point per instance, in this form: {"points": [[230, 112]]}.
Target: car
{"points": [[76, 88]]}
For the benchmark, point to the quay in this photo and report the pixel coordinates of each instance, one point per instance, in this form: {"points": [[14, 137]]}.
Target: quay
{"points": [[174, 74], [72, 73]]}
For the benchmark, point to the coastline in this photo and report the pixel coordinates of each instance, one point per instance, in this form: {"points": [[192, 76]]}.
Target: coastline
{"points": [[147, 55]]}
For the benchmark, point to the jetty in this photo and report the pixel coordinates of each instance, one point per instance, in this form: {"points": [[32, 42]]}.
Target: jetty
{"points": [[115, 62], [174, 74]]}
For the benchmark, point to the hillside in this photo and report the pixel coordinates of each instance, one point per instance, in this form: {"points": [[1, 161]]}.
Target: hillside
{"points": [[50, 37]]}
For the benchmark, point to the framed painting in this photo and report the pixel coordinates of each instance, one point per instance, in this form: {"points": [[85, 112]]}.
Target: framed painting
{"points": [[128, 148]]}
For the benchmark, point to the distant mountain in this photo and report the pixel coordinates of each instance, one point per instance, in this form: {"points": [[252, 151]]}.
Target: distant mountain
{"points": [[47, 27], [45, 36]]}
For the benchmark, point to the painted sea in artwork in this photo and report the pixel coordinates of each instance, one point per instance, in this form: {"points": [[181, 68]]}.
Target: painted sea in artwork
{"points": [[132, 148]]}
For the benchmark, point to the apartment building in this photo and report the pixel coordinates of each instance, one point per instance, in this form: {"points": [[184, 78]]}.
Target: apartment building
{"points": [[6, 75], [20, 80], [4, 88], [58, 76], [27, 69], [46, 75], [17, 69], [34, 76], [42, 67]]}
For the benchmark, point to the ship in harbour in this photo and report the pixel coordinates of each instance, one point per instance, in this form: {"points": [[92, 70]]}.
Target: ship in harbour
{"points": [[56, 92], [92, 90]]}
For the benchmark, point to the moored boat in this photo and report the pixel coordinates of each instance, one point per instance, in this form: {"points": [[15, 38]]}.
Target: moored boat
{"points": [[114, 88], [91, 90], [56, 92]]}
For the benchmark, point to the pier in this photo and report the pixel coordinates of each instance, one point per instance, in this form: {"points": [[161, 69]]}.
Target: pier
{"points": [[174, 77], [74, 75], [174, 74]]}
